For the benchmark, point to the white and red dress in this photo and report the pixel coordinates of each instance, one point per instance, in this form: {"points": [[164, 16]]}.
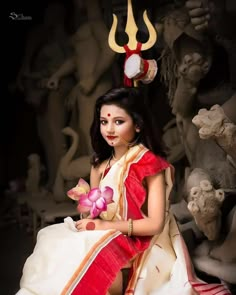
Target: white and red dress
{"points": [[66, 261]]}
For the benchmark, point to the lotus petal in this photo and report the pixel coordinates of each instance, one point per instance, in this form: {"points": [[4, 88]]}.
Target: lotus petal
{"points": [[71, 194], [94, 212], [83, 185], [74, 194], [83, 209], [107, 193], [84, 201], [94, 194], [81, 188], [101, 204]]}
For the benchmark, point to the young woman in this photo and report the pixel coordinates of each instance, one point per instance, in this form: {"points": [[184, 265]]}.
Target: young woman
{"points": [[137, 231]]}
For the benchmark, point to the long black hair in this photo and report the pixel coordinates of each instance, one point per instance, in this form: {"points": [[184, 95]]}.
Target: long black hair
{"points": [[133, 102]]}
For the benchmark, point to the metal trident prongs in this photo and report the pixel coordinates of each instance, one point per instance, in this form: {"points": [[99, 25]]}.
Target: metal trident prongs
{"points": [[131, 29], [133, 46]]}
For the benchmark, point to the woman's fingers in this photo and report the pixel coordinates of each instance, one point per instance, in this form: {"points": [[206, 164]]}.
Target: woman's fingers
{"points": [[79, 226], [85, 225]]}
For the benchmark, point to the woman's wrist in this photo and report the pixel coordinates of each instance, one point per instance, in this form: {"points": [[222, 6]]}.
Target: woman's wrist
{"points": [[126, 227], [130, 227]]}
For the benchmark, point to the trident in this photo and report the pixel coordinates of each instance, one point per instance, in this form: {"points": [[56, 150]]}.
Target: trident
{"points": [[133, 46]]}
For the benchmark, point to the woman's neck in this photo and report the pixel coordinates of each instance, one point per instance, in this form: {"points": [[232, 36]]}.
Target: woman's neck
{"points": [[119, 152]]}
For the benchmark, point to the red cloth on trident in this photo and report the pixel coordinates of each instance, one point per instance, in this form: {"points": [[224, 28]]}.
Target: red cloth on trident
{"points": [[129, 52]]}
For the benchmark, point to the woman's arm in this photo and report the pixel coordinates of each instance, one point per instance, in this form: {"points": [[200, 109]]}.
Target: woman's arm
{"points": [[155, 221], [95, 177], [149, 226]]}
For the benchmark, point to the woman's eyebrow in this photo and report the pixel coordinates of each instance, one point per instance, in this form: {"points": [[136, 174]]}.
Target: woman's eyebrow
{"points": [[114, 118]]}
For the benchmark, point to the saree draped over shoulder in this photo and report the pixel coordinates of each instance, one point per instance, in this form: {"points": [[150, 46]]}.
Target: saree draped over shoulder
{"points": [[66, 261]]}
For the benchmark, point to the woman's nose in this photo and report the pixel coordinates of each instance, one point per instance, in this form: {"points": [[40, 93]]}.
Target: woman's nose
{"points": [[110, 128]]}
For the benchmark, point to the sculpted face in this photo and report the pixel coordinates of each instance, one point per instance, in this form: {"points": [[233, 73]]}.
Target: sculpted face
{"points": [[117, 127]]}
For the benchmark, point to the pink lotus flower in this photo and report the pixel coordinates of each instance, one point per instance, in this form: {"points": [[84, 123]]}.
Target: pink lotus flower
{"points": [[80, 189], [94, 201]]}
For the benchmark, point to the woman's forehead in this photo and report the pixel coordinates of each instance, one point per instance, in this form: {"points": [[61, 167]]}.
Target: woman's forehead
{"points": [[112, 110]]}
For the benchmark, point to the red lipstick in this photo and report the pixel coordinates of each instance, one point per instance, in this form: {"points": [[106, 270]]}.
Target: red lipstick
{"points": [[111, 137]]}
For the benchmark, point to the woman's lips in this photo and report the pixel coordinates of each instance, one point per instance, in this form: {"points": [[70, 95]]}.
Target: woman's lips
{"points": [[111, 137]]}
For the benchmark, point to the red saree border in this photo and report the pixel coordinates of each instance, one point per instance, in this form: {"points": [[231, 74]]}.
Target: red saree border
{"points": [[88, 259], [102, 272]]}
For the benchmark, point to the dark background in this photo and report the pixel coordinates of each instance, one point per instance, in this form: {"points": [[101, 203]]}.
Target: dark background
{"points": [[18, 134]]}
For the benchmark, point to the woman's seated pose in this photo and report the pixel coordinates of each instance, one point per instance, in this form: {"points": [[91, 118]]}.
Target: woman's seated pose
{"points": [[136, 231]]}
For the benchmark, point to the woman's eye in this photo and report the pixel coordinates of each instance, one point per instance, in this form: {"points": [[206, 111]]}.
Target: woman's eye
{"points": [[119, 122], [103, 122]]}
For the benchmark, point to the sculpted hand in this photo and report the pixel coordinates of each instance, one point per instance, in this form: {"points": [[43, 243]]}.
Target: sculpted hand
{"points": [[53, 83], [90, 224], [211, 123], [214, 124], [199, 14]]}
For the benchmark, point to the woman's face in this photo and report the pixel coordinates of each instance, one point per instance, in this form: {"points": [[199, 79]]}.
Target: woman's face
{"points": [[116, 126]]}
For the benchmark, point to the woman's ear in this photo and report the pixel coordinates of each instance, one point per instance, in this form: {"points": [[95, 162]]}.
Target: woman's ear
{"points": [[137, 129]]}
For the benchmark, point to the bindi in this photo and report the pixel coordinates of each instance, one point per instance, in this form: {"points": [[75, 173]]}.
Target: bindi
{"points": [[108, 114]]}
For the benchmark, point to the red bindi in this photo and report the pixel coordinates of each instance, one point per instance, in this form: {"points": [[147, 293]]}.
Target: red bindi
{"points": [[108, 115]]}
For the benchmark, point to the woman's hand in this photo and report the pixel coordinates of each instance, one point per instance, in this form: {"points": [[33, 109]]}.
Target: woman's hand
{"points": [[90, 224]]}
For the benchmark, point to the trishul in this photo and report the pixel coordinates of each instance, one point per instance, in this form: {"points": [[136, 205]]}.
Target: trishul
{"points": [[131, 29]]}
